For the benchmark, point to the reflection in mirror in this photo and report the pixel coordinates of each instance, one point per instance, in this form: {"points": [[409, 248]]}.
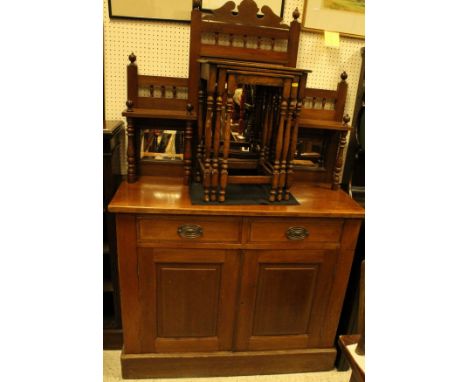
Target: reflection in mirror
{"points": [[311, 148], [242, 123], [162, 144], [252, 106]]}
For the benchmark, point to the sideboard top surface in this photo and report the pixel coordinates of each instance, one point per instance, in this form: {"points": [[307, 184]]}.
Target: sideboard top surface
{"points": [[165, 195]]}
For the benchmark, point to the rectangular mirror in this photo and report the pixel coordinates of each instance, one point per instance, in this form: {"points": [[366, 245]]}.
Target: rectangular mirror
{"points": [[162, 145]]}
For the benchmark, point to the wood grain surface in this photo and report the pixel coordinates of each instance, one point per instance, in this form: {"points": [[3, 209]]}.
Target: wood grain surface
{"points": [[157, 195]]}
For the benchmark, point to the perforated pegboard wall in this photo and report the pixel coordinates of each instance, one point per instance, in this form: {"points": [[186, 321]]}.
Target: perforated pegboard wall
{"points": [[162, 49]]}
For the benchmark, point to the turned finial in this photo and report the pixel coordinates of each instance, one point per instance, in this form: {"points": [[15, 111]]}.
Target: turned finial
{"points": [[346, 119], [344, 76], [296, 14], [132, 58], [196, 4], [129, 104], [189, 107]]}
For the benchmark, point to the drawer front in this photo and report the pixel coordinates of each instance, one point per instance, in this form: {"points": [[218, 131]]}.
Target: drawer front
{"points": [[295, 230], [189, 229]]}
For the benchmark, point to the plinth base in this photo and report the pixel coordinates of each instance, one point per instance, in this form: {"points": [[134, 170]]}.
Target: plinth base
{"points": [[226, 363]]}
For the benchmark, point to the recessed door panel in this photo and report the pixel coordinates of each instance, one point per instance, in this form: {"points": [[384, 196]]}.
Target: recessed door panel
{"points": [[283, 298], [187, 299]]}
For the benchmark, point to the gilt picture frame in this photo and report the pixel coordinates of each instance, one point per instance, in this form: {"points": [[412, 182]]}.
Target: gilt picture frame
{"points": [[344, 16], [156, 10], [277, 6]]}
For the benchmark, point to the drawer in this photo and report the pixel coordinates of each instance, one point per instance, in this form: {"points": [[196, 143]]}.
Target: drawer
{"points": [[295, 230], [189, 229]]}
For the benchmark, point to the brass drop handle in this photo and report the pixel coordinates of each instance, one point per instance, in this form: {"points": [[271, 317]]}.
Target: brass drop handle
{"points": [[190, 231], [297, 233]]}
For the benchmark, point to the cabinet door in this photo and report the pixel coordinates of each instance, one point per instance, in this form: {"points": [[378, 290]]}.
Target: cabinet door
{"points": [[187, 299], [283, 299]]}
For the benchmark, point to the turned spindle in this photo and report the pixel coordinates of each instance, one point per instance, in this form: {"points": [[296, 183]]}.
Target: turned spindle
{"points": [[132, 83], [342, 91], [208, 140], [199, 154], [188, 147], [339, 155], [131, 159]]}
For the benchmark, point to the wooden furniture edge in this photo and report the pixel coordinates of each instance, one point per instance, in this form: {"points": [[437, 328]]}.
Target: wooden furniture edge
{"points": [[251, 64], [233, 212], [160, 114], [226, 363], [323, 124], [138, 198]]}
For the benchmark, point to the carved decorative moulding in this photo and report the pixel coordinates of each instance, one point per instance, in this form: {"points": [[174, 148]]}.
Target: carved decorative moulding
{"points": [[247, 14]]}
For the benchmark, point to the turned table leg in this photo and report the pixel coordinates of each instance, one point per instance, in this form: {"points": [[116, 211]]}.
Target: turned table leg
{"points": [[292, 151], [215, 165], [339, 156], [287, 143], [279, 140], [187, 152], [227, 139], [199, 154]]}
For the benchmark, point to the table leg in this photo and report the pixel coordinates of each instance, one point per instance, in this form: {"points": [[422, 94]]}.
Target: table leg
{"points": [[187, 152], [279, 139], [227, 139]]}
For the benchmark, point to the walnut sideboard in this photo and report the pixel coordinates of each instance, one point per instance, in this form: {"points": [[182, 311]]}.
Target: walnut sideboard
{"points": [[217, 290]]}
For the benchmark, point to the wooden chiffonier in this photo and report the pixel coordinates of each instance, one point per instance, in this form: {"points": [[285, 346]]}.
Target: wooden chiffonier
{"points": [[215, 290]]}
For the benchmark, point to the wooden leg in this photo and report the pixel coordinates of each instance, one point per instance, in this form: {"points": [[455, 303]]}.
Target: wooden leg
{"points": [[279, 145], [285, 151], [131, 159], [199, 158], [187, 152], [207, 159], [273, 124], [214, 160], [227, 140], [266, 123], [339, 161], [214, 180], [292, 151], [199, 155]]}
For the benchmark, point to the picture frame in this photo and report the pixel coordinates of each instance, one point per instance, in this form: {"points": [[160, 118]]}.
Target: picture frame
{"points": [[319, 16], [277, 6], [156, 10]]}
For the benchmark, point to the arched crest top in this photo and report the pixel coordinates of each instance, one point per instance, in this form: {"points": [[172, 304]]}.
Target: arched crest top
{"points": [[247, 14]]}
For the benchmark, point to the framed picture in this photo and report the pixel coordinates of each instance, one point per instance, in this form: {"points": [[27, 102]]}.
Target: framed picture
{"points": [[174, 10], [343, 16], [277, 6]]}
